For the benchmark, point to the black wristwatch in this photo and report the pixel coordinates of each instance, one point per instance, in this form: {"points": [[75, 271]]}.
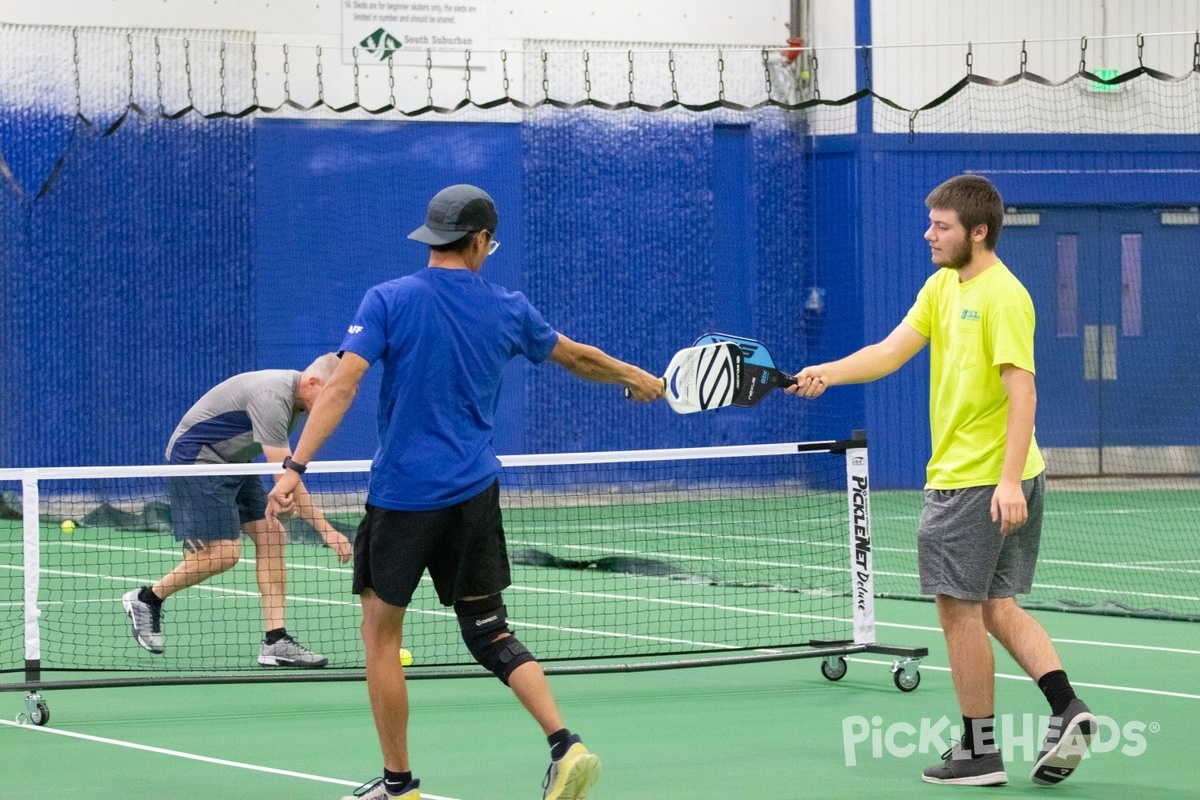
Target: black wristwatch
{"points": [[295, 466]]}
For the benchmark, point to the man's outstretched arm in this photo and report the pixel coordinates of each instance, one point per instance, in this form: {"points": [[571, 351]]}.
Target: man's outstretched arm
{"points": [[593, 364], [862, 366]]}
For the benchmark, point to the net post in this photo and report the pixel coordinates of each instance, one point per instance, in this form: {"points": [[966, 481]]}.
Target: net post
{"points": [[32, 563], [858, 497]]}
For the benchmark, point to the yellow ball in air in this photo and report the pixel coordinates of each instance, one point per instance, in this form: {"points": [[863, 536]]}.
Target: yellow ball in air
{"points": [[406, 657], [68, 526]]}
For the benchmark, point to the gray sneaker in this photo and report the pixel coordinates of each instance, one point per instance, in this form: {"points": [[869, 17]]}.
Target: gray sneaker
{"points": [[287, 652], [147, 621], [960, 769], [1065, 744]]}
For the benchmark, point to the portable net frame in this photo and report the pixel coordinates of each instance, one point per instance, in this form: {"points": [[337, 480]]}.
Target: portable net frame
{"points": [[622, 561]]}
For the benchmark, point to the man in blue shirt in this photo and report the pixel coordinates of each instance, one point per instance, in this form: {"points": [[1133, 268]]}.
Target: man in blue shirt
{"points": [[444, 335]]}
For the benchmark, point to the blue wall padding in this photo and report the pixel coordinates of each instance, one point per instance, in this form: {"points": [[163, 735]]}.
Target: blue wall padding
{"points": [[128, 287], [335, 204], [170, 255], [607, 222], [628, 256]]}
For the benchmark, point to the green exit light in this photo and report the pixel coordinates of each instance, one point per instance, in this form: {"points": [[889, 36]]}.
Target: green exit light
{"points": [[1107, 74]]}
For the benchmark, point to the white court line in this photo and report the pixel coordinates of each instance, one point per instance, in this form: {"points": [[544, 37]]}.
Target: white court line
{"points": [[161, 552], [1133, 646], [609, 596], [202, 586], [667, 601], [1133, 689], [1153, 648], [194, 757]]}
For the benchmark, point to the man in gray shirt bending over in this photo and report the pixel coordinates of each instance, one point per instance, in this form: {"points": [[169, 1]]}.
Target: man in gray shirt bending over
{"points": [[236, 420]]}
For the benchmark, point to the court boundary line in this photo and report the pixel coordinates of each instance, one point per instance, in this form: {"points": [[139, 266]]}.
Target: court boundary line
{"points": [[1007, 676], [1127, 646], [652, 600], [224, 762]]}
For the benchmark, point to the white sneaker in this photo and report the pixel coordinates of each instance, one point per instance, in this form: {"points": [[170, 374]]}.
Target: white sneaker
{"points": [[375, 791]]}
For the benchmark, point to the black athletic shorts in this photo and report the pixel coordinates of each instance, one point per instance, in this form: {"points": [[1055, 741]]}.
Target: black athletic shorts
{"points": [[462, 546]]}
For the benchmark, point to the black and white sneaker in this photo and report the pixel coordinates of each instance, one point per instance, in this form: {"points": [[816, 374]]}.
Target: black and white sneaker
{"points": [[287, 652], [376, 791], [959, 768], [147, 621], [1065, 744]]}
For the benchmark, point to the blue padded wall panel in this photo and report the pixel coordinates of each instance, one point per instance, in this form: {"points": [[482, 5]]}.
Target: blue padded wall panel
{"points": [[127, 286], [335, 202], [836, 328], [625, 251], [169, 255]]}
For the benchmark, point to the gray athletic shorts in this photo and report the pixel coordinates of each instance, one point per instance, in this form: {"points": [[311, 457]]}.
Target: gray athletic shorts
{"points": [[960, 551]]}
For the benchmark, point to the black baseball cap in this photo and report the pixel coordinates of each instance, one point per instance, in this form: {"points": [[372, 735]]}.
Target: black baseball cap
{"points": [[455, 212]]}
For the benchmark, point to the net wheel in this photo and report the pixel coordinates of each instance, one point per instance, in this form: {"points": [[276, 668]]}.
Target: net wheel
{"points": [[904, 682], [833, 670], [37, 711]]}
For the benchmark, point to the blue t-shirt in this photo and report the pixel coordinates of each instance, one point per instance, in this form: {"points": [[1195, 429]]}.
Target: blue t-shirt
{"points": [[444, 336]]}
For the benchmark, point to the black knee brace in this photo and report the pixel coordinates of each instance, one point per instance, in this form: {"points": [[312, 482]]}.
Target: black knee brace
{"points": [[482, 621]]}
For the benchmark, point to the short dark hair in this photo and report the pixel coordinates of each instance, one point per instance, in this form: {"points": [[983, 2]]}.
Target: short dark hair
{"points": [[459, 245], [976, 202]]}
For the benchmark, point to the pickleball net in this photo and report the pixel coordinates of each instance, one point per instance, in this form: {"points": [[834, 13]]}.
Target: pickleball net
{"points": [[618, 559]]}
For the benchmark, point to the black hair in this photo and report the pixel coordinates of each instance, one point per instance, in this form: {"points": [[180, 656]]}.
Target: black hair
{"points": [[457, 245]]}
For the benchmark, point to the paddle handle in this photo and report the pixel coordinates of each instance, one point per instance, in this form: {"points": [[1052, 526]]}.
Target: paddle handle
{"points": [[629, 394]]}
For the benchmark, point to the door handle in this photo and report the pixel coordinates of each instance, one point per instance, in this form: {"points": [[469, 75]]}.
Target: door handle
{"points": [[1091, 352], [1099, 352], [1108, 353]]}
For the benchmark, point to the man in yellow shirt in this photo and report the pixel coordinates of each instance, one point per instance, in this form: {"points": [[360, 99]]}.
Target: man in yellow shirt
{"points": [[981, 524]]}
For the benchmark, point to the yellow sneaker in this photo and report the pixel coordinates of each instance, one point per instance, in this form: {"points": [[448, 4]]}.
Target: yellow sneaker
{"points": [[570, 777]]}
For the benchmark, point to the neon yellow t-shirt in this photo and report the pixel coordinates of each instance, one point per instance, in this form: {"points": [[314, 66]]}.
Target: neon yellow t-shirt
{"points": [[973, 328]]}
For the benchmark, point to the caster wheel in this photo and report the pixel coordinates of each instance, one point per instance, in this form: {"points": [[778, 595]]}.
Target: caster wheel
{"points": [[834, 670], [905, 683]]}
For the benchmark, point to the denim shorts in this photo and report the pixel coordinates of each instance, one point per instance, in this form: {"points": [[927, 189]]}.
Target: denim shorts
{"points": [[208, 507]]}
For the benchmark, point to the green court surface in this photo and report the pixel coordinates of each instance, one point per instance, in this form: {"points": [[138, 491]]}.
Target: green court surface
{"points": [[689, 582], [776, 730], [1107, 545]]}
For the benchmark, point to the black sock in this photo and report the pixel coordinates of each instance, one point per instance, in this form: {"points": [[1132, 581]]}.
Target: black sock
{"points": [[394, 782], [559, 742], [1058, 691], [147, 596], [274, 635], [979, 735]]}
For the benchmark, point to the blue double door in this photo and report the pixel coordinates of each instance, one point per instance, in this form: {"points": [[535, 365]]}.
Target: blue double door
{"points": [[1117, 294]]}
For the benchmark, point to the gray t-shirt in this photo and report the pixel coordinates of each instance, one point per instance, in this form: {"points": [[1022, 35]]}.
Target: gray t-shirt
{"points": [[233, 420]]}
